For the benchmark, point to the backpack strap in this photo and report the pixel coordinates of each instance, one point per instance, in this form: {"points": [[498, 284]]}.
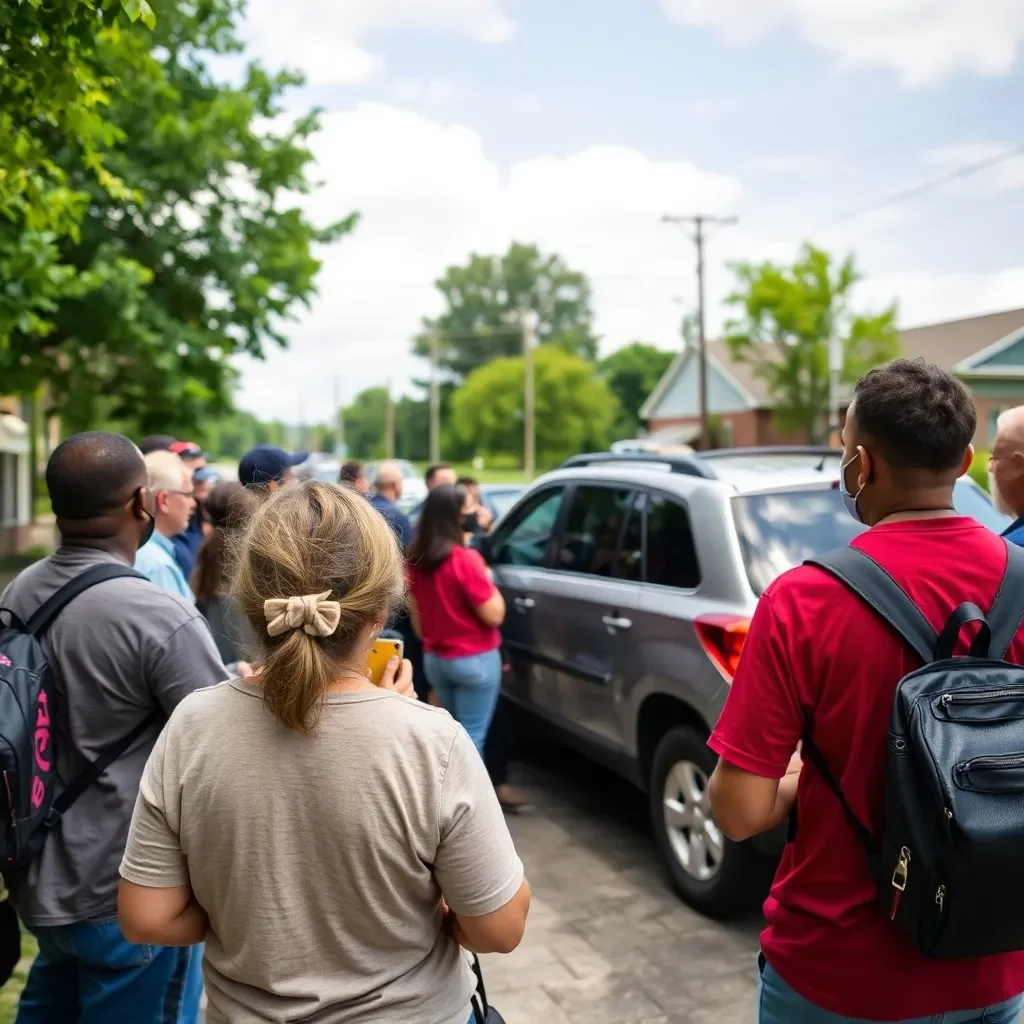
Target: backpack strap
{"points": [[85, 779], [1007, 611], [43, 617], [876, 588]]}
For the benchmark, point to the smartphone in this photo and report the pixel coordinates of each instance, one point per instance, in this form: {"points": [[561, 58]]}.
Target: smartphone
{"points": [[380, 654]]}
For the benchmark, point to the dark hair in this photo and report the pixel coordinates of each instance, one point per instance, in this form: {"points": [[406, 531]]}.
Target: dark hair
{"points": [[467, 481], [433, 470], [919, 416], [156, 443], [351, 472], [91, 474], [440, 527], [228, 508]]}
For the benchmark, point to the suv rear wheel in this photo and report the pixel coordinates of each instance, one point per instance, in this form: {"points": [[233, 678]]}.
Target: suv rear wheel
{"points": [[713, 874]]}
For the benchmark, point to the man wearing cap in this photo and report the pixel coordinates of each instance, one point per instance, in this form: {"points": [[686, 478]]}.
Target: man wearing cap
{"points": [[269, 467]]}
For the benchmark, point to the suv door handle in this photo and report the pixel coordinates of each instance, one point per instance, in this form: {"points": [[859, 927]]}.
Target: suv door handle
{"points": [[524, 604], [614, 623]]}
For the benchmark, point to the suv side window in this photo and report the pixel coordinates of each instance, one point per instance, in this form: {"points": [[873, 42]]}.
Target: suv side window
{"points": [[671, 555], [630, 565], [590, 542], [523, 539]]}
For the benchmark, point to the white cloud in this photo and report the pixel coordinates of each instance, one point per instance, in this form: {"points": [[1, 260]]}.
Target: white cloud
{"points": [[326, 39], [998, 179], [431, 93], [923, 40], [429, 195]]}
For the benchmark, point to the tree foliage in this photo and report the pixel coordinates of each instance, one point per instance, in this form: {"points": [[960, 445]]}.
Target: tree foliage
{"points": [[632, 373], [785, 317], [202, 254], [574, 409], [483, 300]]}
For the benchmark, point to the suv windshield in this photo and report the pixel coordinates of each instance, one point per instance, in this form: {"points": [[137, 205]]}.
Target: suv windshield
{"points": [[779, 530]]}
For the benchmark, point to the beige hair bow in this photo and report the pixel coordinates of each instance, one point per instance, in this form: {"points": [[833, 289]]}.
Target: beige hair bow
{"points": [[314, 614]]}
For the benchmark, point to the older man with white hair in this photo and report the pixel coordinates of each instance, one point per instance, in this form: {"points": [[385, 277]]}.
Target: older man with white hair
{"points": [[385, 501], [1006, 471], [170, 480]]}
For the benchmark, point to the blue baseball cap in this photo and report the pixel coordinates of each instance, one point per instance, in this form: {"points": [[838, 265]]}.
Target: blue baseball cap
{"points": [[265, 463]]}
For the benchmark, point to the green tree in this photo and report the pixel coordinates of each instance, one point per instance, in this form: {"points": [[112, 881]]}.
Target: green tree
{"points": [[633, 372], [365, 421], [203, 257], [574, 408], [482, 304], [52, 86], [786, 315]]}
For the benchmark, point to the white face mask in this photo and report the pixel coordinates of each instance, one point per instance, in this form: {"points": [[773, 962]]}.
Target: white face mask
{"points": [[850, 500]]}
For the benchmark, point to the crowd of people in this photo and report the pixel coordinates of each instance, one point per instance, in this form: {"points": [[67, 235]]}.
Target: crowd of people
{"points": [[334, 849], [319, 845]]}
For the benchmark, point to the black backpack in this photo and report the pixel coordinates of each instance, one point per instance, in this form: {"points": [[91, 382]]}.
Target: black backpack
{"points": [[30, 803], [948, 865]]}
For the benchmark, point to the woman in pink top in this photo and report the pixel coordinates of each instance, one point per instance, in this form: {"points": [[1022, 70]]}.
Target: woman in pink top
{"points": [[456, 609]]}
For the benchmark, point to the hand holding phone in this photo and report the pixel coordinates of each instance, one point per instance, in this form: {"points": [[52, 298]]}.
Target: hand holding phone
{"points": [[380, 654]]}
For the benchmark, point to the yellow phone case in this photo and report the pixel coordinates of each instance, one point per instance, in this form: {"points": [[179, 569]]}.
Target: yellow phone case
{"points": [[380, 654]]}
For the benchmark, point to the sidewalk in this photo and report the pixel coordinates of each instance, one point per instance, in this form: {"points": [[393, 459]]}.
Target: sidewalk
{"points": [[607, 941]]}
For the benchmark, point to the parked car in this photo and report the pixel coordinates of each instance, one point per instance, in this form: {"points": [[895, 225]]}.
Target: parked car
{"points": [[414, 489], [498, 498], [630, 582]]}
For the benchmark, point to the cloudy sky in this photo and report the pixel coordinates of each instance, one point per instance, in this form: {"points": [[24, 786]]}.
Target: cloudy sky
{"points": [[459, 125]]}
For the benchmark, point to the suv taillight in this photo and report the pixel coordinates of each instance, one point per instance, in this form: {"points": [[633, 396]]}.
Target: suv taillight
{"points": [[722, 637]]}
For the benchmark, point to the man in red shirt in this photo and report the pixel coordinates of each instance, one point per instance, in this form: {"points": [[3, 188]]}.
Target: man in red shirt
{"points": [[818, 658]]}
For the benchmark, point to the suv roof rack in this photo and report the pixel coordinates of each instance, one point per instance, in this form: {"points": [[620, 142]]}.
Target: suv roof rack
{"points": [[823, 451], [688, 465]]}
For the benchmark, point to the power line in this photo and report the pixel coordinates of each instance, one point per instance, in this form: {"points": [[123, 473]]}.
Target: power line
{"points": [[929, 186]]}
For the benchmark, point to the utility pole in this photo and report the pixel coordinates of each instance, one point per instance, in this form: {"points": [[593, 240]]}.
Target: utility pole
{"points": [[435, 399], [339, 420], [389, 426], [528, 319], [700, 222]]}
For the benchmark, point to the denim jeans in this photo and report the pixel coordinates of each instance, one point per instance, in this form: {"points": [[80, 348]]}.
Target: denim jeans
{"points": [[779, 1004], [468, 690], [88, 973]]}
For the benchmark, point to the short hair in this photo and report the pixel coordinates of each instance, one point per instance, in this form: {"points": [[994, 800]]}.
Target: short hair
{"points": [[388, 474], [467, 481], [165, 470], [92, 473], [156, 443], [919, 416], [351, 472], [433, 470]]}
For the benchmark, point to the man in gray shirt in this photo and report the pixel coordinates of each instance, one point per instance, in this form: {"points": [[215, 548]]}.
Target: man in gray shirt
{"points": [[119, 652]]}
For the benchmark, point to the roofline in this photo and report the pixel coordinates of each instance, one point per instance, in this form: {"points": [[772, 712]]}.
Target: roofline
{"points": [[969, 364], [667, 379], [961, 320], [675, 370]]}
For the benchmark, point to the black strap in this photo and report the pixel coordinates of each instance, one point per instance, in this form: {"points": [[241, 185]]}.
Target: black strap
{"points": [[1007, 611], [873, 585], [56, 603], [480, 1005], [813, 754], [980, 645], [82, 782]]}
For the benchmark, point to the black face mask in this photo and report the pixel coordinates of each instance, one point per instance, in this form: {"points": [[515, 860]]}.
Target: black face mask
{"points": [[150, 526]]}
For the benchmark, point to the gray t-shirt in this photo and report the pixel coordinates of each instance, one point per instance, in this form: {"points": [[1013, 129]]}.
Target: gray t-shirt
{"points": [[120, 651], [321, 859]]}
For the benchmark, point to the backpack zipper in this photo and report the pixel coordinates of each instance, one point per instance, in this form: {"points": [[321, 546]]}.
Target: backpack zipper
{"points": [[940, 898], [1007, 761], [899, 881], [979, 698]]}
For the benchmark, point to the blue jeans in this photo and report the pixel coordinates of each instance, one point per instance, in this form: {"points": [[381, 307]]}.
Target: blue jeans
{"points": [[88, 973], [468, 690], [779, 1004]]}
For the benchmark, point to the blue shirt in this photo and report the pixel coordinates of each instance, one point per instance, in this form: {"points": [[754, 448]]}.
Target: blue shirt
{"points": [[157, 563], [187, 545], [1015, 532], [396, 518]]}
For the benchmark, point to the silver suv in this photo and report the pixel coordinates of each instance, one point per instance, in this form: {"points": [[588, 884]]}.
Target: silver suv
{"points": [[630, 582]]}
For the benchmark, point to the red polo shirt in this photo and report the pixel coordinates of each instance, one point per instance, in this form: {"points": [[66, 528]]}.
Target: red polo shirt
{"points": [[814, 644]]}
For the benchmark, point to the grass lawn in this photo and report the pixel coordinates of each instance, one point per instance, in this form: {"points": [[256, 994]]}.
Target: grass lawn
{"points": [[10, 992]]}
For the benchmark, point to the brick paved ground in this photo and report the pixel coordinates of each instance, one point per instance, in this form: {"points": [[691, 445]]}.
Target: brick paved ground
{"points": [[608, 942]]}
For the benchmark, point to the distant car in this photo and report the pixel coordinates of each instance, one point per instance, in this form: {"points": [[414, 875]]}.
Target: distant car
{"points": [[630, 582], [497, 498], [319, 467], [414, 489]]}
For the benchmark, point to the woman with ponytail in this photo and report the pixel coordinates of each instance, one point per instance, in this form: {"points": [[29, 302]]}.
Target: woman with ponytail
{"points": [[336, 844]]}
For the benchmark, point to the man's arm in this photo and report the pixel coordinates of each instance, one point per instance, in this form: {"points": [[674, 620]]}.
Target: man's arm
{"points": [[745, 805], [187, 661]]}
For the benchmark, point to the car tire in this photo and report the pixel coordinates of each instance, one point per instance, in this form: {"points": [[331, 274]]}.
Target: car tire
{"points": [[711, 873]]}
